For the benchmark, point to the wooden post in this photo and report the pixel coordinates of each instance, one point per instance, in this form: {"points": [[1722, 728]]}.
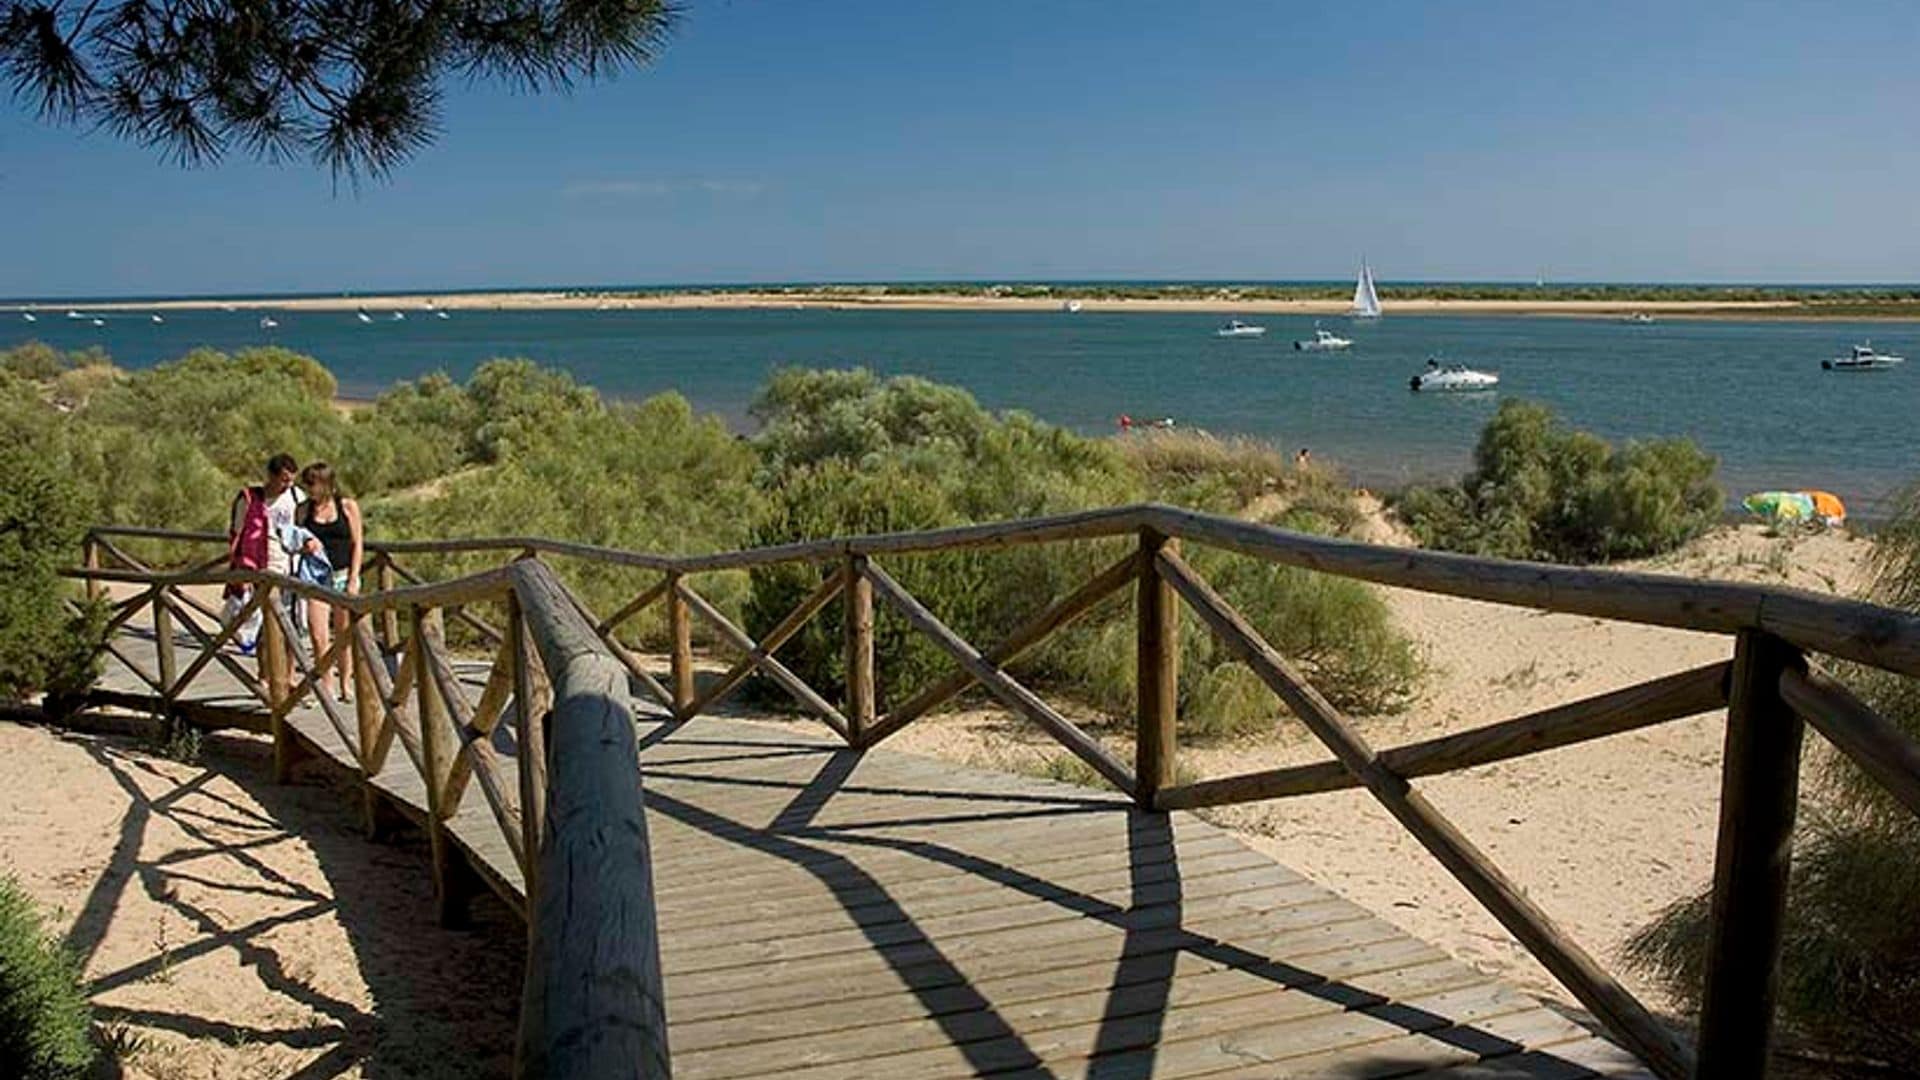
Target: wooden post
{"points": [[860, 688], [163, 644], [680, 629], [389, 619], [452, 885], [1157, 666], [275, 654], [531, 698], [1759, 790], [90, 558]]}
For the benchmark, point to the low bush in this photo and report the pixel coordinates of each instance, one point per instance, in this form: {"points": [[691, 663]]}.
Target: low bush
{"points": [[42, 517], [1850, 962], [45, 1020], [1540, 490]]}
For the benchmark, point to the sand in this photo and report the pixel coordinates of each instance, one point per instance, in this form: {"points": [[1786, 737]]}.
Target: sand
{"points": [[233, 928], [833, 299]]}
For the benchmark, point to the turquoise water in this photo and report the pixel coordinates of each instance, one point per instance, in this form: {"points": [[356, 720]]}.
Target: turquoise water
{"points": [[1750, 392]]}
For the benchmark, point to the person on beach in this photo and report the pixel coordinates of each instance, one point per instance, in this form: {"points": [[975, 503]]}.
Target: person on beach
{"points": [[333, 517], [258, 519]]}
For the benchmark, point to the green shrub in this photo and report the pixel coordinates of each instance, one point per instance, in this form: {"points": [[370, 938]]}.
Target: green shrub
{"points": [[42, 645], [44, 1015], [1850, 961], [1539, 490]]}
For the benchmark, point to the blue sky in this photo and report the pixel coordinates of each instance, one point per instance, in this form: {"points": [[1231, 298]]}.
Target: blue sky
{"points": [[834, 139]]}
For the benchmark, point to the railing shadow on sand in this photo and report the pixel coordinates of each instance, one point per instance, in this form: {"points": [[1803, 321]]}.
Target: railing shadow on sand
{"points": [[575, 827]]}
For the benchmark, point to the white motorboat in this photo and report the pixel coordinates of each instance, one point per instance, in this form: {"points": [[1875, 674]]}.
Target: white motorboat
{"points": [[1323, 341], [29, 316], [1862, 358], [399, 316], [1454, 377], [1236, 328], [98, 322], [440, 313], [268, 322], [361, 314], [71, 314], [1366, 300], [1071, 307], [157, 320], [1638, 318]]}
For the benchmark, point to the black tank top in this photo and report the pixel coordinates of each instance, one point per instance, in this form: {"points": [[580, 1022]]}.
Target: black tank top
{"points": [[336, 536]]}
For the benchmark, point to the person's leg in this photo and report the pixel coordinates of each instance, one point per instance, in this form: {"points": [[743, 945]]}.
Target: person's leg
{"points": [[321, 622], [344, 666]]}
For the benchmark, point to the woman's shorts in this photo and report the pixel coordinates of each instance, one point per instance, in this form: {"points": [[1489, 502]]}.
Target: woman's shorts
{"points": [[340, 580]]}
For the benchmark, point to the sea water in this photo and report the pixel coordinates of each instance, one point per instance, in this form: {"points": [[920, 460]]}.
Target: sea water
{"points": [[1750, 392]]}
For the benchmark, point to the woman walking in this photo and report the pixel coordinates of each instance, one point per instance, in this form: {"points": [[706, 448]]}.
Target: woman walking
{"points": [[334, 519]]}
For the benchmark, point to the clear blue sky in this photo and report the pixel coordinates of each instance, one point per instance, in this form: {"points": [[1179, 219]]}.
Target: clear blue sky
{"points": [[834, 139]]}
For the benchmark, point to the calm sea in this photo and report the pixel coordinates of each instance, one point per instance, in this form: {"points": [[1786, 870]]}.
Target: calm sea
{"points": [[1750, 392]]}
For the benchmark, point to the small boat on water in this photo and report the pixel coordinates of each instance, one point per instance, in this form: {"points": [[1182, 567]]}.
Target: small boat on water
{"points": [[1071, 307], [157, 320], [72, 314], [1366, 299], [399, 316], [1862, 358], [1638, 318], [361, 314], [1236, 328], [268, 322], [1323, 341], [98, 321], [440, 313], [1455, 377], [29, 316]]}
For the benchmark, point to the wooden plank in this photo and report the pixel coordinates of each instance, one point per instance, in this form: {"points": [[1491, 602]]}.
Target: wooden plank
{"points": [[1759, 793], [1874, 743], [680, 648], [621, 653], [531, 699], [631, 608], [1644, 704], [1612, 1003], [164, 657], [1001, 685], [1031, 633], [211, 647]]}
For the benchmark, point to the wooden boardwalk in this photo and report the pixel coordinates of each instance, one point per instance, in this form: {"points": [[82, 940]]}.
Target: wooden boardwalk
{"points": [[827, 913]]}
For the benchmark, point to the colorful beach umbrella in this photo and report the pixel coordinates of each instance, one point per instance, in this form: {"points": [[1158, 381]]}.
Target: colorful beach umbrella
{"points": [[1828, 506]]}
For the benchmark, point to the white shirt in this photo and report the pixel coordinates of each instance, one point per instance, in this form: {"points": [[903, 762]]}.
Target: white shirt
{"points": [[279, 516]]}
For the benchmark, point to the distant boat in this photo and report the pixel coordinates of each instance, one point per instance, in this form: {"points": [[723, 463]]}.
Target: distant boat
{"points": [[228, 307], [1862, 358], [1638, 318], [157, 319], [440, 314], [1366, 300], [99, 322], [1454, 377], [1071, 307], [399, 316], [71, 314], [268, 322], [29, 316], [361, 314], [1323, 341], [1236, 328]]}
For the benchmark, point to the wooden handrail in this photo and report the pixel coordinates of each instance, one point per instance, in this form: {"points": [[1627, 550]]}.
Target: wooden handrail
{"points": [[593, 1003]]}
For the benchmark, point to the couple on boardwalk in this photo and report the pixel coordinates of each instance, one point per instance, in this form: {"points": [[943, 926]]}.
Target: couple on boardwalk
{"points": [[298, 522]]}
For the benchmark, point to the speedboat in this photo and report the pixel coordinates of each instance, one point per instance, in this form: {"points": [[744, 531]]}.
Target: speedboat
{"points": [[1863, 358], [29, 316], [98, 322], [268, 322], [72, 314], [1453, 377], [1638, 318], [440, 313], [399, 316], [157, 320], [1071, 307], [1236, 328], [362, 315], [1323, 341]]}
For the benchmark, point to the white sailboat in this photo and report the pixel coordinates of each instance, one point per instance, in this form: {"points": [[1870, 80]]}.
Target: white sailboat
{"points": [[1366, 301]]}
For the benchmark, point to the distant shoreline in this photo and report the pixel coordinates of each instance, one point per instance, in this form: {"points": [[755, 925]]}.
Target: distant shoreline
{"points": [[850, 299]]}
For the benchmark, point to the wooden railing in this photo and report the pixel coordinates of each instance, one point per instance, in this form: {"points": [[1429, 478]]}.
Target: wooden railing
{"points": [[1767, 687]]}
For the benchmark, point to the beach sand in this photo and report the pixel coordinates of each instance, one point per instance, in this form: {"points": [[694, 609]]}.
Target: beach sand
{"points": [[834, 299], [240, 929]]}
